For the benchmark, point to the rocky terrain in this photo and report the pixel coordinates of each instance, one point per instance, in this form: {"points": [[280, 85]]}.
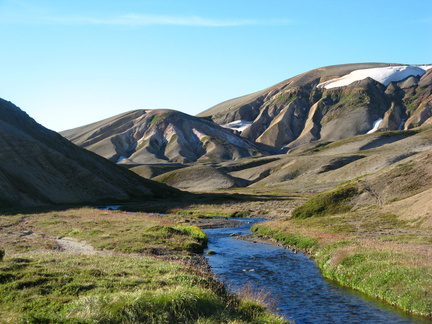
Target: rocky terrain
{"points": [[264, 139], [332, 103], [40, 167], [160, 136]]}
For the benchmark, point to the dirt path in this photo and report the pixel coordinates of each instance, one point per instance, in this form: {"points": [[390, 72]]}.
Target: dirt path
{"points": [[73, 246]]}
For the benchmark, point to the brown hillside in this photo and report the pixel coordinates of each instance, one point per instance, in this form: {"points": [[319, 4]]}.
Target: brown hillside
{"points": [[40, 167]]}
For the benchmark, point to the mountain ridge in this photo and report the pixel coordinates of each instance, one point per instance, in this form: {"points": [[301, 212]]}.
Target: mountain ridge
{"points": [[160, 135], [295, 112], [305, 108], [40, 167]]}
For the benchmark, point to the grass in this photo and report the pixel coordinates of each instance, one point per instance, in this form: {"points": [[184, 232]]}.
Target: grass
{"points": [[111, 230], [159, 118], [393, 275], [189, 238], [337, 102], [327, 203], [154, 284], [367, 250], [388, 134], [55, 288], [287, 238], [208, 213], [285, 98]]}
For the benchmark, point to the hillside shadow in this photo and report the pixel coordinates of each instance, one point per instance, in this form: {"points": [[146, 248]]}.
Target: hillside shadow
{"points": [[154, 205], [193, 199], [388, 138]]}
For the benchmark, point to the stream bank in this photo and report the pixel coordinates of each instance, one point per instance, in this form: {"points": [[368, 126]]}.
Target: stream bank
{"points": [[293, 279]]}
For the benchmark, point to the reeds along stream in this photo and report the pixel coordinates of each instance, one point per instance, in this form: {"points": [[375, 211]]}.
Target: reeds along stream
{"points": [[293, 280]]}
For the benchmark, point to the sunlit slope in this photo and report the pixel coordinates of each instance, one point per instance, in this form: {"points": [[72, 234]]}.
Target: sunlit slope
{"points": [[332, 103]]}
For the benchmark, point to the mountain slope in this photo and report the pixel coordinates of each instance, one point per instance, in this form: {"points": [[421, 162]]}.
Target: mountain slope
{"points": [[162, 135], [332, 103], [40, 167], [328, 120], [200, 178], [326, 165]]}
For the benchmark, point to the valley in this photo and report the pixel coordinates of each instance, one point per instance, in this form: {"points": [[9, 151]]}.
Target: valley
{"points": [[338, 158]]}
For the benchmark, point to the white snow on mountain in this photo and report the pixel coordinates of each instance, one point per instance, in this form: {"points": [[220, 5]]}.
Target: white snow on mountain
{"points": [[375, 126], [383, 75], [121, 158], [238, 125]]}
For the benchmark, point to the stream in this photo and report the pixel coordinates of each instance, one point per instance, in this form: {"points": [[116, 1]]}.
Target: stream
{"points": [[294, 281]]}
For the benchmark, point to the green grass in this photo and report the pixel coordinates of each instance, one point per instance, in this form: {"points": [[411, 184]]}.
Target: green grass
{"points": [[408, 238], [385, 275], [208, 213], [58, 288], [287, 238], [189, 238], [375, 253], [110, 230], [382, 221], [156, 286], [285, 98], [327, 203], [159, 118], [332, 145]]}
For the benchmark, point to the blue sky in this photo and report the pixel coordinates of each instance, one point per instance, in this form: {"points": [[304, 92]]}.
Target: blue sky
{"points": [[69, 63]]}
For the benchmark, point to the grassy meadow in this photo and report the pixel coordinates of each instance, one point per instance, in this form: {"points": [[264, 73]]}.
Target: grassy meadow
{"points": [[367, 250], [139, 268]]}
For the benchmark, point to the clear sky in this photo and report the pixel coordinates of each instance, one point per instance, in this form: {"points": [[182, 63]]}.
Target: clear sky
{"points": [[69, 63]]}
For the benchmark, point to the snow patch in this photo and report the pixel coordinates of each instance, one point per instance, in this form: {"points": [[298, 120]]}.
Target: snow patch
{"points": [[238, 125], [375, 126], [121, 158], [383, 75]]}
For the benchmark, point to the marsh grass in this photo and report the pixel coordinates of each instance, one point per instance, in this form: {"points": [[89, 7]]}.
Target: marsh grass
{"points": [[285, 237], [393, 273], [366, 252], [109, 230], [208, 213], [53, 287], [187, 238]]}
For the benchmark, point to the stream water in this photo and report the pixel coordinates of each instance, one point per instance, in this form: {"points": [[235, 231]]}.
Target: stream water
{"points": [[294, 281]]}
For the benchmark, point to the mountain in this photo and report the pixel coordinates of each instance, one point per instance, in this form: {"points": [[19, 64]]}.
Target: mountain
{"points": [[40, 167], [160, 136], [325, 165], [308, 133], [200, 178], [322, 105], [332, 103]]}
